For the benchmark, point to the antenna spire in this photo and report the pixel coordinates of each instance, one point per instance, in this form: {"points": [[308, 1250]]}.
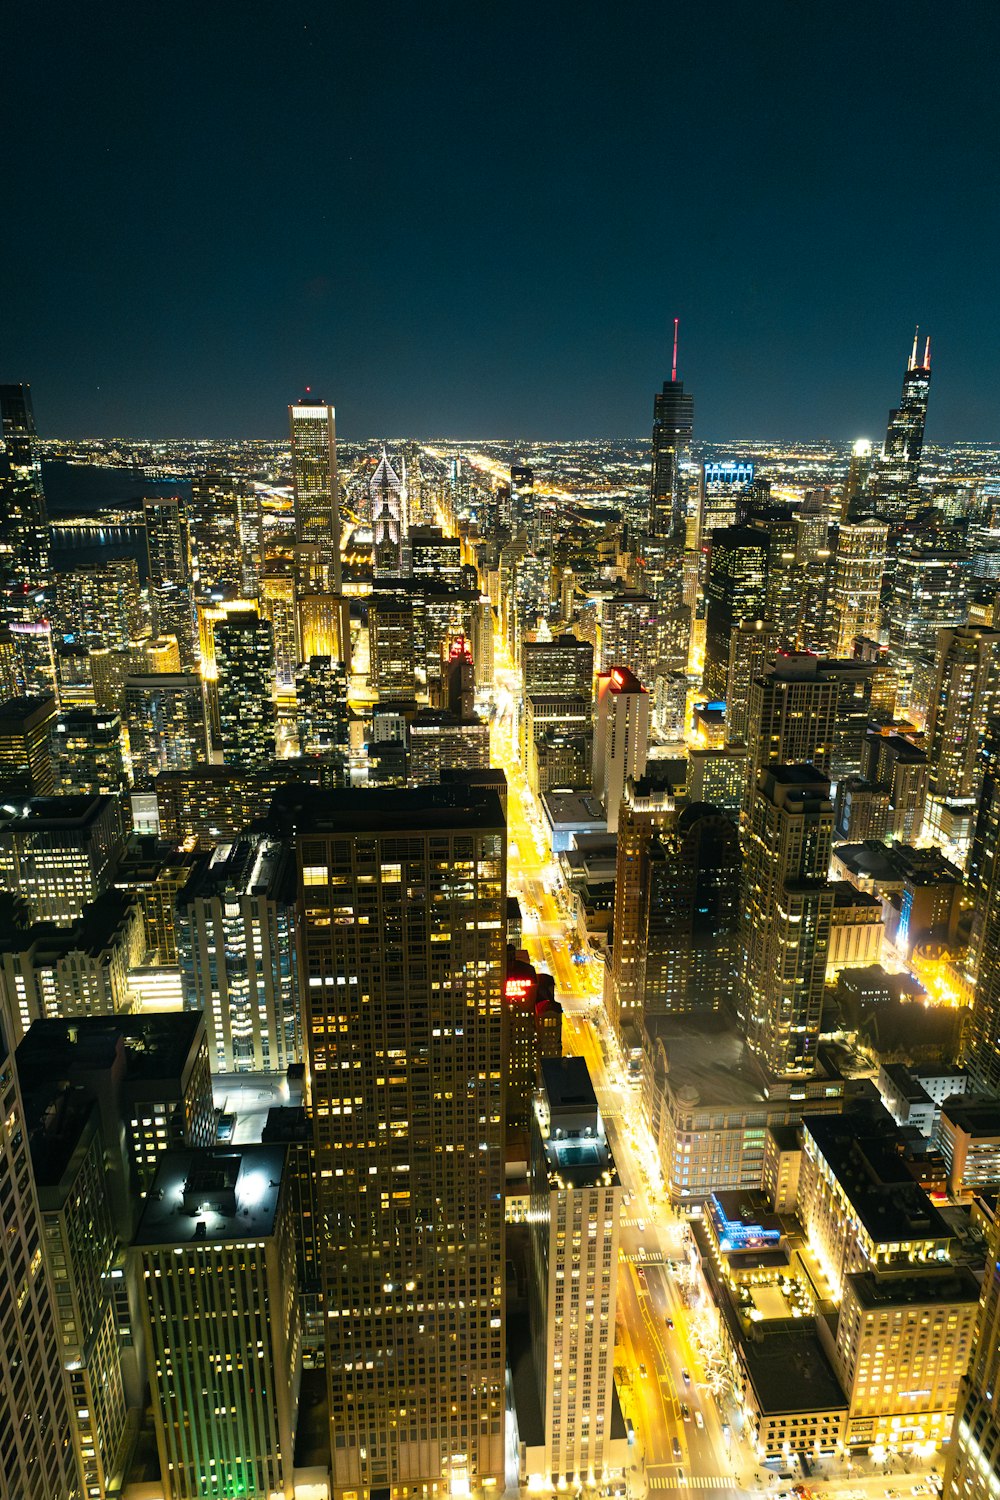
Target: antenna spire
{"points": [[927, 353], [673, 370], [913, 356]]}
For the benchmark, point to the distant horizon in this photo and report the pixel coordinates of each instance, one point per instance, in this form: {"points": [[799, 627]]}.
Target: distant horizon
{"points": [[988, 443]]}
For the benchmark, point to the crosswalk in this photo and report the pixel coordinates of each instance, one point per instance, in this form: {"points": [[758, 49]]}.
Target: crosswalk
{"points": [[689, 1482], [651, 1258]]}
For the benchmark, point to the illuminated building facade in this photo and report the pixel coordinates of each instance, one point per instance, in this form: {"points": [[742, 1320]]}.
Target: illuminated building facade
{"points": [[165, 715], [168, 540], [534, 1030], [236, 950], [88, 752], [58, 853], [391, 633], [321, 710], [673, 425], [967, 692], [216, 1249], [387, 501], [576, 1198], [621, 737], [98, 603], [735, 592], [788, 908], [403, 932], [648, 805], [244, 657], [892, 484], [858, 565], [26, 768], [316, 489], [973, 1470], [36, 1435], [225, 534]]}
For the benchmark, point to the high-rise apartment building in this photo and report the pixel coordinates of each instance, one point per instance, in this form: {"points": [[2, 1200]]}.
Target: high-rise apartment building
{"points": [[753, 645], [966, 694], [788, 904], [930, 589], [278, 604], [236, 950], [168, 540], [735, 592], [563, 667], [440, 740], [35, 1429], [98, 603], [403, 934], [324, 625], [165, 715], [387, 502], [25, 548], [58, 853], [576, 1198], [892, 484], [26, 768], [316, 490], [225, 534], [216, 1249], [806, 709], [647, 806], [244, 658], [621, 737], [858, 565], [534, 1030], [393, 671], [88, 753], [899, 767], [321, 708]]}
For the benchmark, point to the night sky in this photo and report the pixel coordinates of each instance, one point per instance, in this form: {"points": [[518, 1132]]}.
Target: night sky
{"points": [[479, 219]]}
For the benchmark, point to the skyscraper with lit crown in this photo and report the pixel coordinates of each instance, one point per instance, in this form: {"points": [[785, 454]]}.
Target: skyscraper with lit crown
{"points": [[673, 424], [387, 494], [892, 484], [316, 490]]}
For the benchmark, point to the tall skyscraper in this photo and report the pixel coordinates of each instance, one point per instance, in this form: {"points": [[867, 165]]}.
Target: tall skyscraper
{"points": [[26, 768], [35, 1431], [165, 714], [892, 484], [576, 1198], [649, 805], [387, 499], [753, 646], [621, 737], [673, 424], [984, 946], [225, 520], [973, 1467], [403, 914], [168, 540], [788, 905], [735, 592], [316, 490], [25, 552], [858, 565], [236, 951], [966, 694], [244, 655], [98, 603], [216, 1245]]}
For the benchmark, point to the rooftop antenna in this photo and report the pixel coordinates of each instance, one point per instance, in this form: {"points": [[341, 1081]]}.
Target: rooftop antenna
{"points": [[927, 353], [913, 356], [673, 371]]}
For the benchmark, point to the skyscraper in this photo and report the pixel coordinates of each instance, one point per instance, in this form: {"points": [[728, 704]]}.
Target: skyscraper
{"points": [[673, 423], [168, 541], [892, 484], [387, 499], [576, 1198], [788, 904], [858, 565], [24, 521], [165, 714], [735, 592], [216, 1246], [973, 1468], [621, 737], [316, 491], [244, 654], [35, 1433], [966, 694], [648, 805], [236, 951], [225, 519], [403, 912]]}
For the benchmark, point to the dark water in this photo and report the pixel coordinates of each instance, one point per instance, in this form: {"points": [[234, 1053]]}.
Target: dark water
{"points": [[72, 489]]}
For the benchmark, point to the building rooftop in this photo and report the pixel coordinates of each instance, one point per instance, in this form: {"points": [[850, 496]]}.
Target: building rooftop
{"points": [[17, 714], [304, 810], [38, 814], [845, 894], [156, 1046], [574, 1140], [248, 866], [791, 1372], [56, 1117], [976, 1115], [863, 1150], [950, 1284], [214, 1194], [563, 808]]}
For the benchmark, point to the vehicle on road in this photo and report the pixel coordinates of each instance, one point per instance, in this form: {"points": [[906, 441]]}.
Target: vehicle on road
{"points": [[699, 1421], [643, 1371], [677, 1447], [686, 1377], [670, 1322], [685, 1412], [641, 1226]]}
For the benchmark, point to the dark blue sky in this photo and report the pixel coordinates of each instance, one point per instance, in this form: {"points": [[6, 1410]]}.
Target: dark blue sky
{"points": [[479, 218]]}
